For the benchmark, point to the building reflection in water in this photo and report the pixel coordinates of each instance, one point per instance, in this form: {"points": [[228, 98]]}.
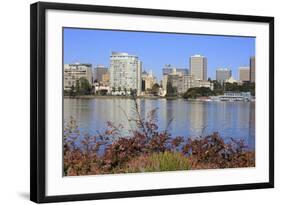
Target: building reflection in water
{"points": [[191, 119]]}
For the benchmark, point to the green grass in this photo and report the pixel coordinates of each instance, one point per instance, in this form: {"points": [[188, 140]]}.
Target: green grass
{"points": [[157, 162], [167, 161]]}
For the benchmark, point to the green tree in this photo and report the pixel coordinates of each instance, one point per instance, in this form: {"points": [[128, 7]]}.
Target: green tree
{"points": [[83, 87], [218, 87], [72, 91], [245, 87], [197, 92], [133, 92], [171, 91], [77, 87], [155, 89], [103, 92]]}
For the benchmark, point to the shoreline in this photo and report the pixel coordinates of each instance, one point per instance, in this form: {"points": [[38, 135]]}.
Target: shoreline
{"points": [[145, 97], [118, 97]]}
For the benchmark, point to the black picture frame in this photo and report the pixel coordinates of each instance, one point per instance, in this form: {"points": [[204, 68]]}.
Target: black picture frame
{"points": [[38, 101]]}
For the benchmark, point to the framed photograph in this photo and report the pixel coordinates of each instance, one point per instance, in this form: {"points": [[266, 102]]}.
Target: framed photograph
{"points": [[129, 102]]}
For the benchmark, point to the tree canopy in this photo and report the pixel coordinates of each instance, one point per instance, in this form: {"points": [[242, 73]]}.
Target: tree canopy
{"points": [[197, 92], [83, 87]]}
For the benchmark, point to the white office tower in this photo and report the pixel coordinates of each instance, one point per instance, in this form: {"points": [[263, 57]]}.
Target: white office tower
{"points": [[198, 67], [125, 72]]}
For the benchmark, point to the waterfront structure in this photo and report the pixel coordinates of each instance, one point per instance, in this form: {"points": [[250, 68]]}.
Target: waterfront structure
{"points": [[100, 89], [244, 74], [198, 67], [222, 74], [233, 96], [73, 72], [125, 72], [148, 80], [253, 69], [99, 71]]}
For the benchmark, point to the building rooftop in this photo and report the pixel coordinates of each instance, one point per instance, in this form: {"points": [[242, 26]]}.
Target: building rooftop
{"points": [[114, 53], [223, 69], [197, 55]]}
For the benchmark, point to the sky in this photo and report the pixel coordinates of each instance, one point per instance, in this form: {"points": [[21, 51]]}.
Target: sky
{"points": [[157, 49]]}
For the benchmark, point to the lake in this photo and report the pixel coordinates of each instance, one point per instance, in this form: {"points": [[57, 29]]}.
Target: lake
{"points": [[179, 116]]}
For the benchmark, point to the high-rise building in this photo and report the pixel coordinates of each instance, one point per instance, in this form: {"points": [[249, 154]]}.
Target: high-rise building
{"points": [[198, 67], [244, 74], [99, 71], [171, 71], [181, 83], [222, 74], [168, 69], [148, 80], [125, 72], [253, 69], [73, 72], [105, 79]]}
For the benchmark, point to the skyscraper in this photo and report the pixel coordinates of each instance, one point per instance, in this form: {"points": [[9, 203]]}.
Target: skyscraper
{"points": [[99, 71], [198, 67], [148, 79], [222, 74], [168, 69], [244, 74], [125, 72], [253, 69]]}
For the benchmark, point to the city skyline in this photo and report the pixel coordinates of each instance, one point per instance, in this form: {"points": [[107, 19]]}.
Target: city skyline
{"points": [[94, 46]]}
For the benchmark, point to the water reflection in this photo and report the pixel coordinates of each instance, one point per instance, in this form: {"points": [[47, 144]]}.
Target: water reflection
{"points": [[181, 117]]}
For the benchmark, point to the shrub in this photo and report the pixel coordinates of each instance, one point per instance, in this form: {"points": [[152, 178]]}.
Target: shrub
{"points": [[212, 152]]}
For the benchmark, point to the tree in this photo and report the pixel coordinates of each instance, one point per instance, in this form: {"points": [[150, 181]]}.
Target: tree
{"points": [[155, 89], [133, 92], [218, 87], [72, 91], [142, 85], [245, 87], [197, 92], [103, 92], [171, 91], [83, 87], [77, 87]]}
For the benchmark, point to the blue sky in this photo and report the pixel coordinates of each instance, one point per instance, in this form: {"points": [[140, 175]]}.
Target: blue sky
{"points": [[157, 49]]}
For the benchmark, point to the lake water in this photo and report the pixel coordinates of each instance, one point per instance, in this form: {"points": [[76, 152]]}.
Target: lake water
{"points": [[185, 118]]}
